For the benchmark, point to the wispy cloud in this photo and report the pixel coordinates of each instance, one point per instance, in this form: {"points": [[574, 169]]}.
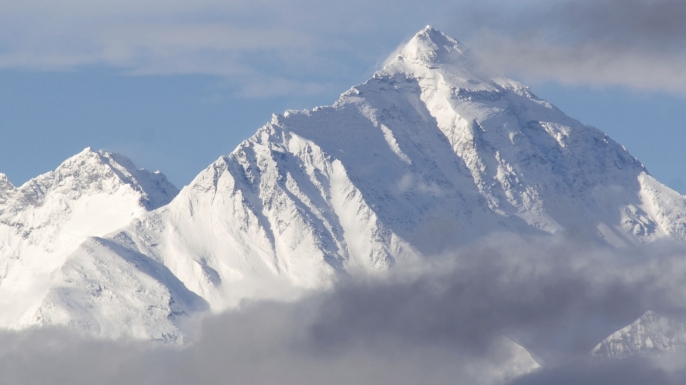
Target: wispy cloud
{"points": [[300, 46], [634, 43]]}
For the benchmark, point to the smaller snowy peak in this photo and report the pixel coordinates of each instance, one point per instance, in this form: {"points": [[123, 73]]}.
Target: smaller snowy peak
{"points": [[90, 172], [91, 193], [651, 334], [42, 222]]}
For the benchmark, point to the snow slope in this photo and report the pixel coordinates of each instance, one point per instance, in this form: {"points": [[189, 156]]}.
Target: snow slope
{"points": [[46, 219]]}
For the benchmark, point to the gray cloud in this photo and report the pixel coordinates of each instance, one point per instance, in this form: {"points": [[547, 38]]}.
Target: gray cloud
{"points": [[558, 299], [652, 24], [633, 371], [432, 324], [634, 43]]}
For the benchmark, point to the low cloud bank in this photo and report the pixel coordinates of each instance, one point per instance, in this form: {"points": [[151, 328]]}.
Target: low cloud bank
{"points": [[447, 321]]}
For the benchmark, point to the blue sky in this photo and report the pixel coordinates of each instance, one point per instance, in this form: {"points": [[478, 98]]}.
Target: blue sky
{"points": [[176, 84]]}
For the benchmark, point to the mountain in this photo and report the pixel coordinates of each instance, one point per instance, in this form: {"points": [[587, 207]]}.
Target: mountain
{"points": [[433, 152], [649, 335], [45, 220]]}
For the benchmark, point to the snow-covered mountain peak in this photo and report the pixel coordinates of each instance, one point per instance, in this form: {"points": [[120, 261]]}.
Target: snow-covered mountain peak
{"points": [[90, 194], [431, 52], [79, 190], [432, 46], [91, 172]]}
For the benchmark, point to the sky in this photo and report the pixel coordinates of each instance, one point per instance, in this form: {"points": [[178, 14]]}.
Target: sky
{"points": [[176, 84]]}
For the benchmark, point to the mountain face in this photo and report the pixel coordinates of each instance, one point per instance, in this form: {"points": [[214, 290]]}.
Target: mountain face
{"points": [[433, 152], [46, 219]]}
